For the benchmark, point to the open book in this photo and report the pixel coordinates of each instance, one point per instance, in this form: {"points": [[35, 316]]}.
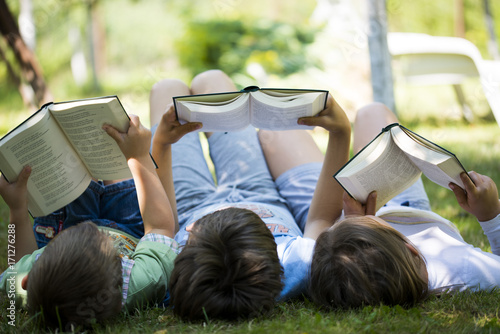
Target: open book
{"points": [[264, 108], [65, 146], [393, 161]]}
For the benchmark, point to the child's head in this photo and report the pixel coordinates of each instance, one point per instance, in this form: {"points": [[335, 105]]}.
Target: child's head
{"points": [[229, 268], [362, 260], [77, 279]]}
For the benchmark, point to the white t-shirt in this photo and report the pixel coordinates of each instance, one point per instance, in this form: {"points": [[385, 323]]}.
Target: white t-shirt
{"points": [[452, 263]]}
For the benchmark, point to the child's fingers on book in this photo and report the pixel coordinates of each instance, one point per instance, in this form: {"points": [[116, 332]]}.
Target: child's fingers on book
{"points": [[171, 109], [311, 121], [471, 180], [371, 203], [460, 194], [24, 175], [352, 206], [181, 130], [112, 132], [169, 115], [134, 120], [483, 180], [189, 127], [21, 181]]}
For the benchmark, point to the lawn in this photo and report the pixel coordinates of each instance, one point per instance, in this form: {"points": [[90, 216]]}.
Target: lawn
{"points": [[477, 145]]}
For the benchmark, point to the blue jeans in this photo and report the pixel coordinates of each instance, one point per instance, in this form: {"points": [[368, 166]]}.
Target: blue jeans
{"points": [[297, 186], [113, 205], [240, 170]]}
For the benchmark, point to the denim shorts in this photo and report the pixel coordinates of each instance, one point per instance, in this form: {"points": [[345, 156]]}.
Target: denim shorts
{"points": [[297, 186], [241, 173], [113, 205]]}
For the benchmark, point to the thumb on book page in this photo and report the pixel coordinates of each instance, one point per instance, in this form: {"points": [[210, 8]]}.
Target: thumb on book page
{"points": [[24, 175], [112, 132]]}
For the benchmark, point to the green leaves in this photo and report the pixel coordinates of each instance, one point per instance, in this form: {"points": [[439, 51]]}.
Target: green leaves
{"points": [[232, 45]]}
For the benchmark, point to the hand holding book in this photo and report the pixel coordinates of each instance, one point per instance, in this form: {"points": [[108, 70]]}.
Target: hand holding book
{"points": [[332, 118], [65, 146], [480, 197], [352, 207]]}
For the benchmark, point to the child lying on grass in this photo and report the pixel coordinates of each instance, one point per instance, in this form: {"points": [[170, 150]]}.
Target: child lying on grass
{"points": [[80, 277], [405, 251]]}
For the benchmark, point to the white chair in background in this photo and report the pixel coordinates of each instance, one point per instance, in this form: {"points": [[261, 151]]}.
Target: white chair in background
{"points": [[439, 60]]}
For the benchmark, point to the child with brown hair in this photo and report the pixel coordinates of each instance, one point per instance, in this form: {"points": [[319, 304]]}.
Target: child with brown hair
{"points": [[80, 277], [239, 235], [406, 251]]}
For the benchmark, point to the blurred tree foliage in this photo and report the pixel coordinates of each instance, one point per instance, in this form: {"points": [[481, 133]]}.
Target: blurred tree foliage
{"points": [[231, 45], [151, 39]]}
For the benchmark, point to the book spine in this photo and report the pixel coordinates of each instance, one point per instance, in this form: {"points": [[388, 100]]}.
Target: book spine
{"points": [[389, 127], [250, 89]]}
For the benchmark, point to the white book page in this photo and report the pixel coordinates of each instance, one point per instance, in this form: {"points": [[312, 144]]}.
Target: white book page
{"points": [[207, 103], [279, 111], [437, 165], [83, 127], [442, 174], [417, 148], [384, 169], [217, 99], [216, 116], [424, 142], [58, 176]]}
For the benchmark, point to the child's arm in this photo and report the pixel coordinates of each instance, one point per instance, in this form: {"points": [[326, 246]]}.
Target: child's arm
{"points": [[15, 194], [168, 132], [326, 205], [153, 201]]}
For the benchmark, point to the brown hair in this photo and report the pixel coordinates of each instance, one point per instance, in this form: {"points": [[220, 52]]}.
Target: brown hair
{"points": [[77, 279], [362, 262], [229, 268]]}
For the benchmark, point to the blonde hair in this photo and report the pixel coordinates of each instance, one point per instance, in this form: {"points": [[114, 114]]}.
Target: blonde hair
{"points": [[363, 262], [77, 279]]}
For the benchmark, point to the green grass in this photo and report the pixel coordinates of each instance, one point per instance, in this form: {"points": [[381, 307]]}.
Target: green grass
{"points": [[457, 313]]}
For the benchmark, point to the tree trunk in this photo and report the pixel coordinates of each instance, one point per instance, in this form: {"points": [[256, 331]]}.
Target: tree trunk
{"points": [[29, 67], [380, 59], [459, 18], [490, 24], [94, 39]]}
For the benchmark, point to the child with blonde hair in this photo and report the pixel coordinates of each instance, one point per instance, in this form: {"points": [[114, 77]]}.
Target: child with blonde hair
{"points": [[403, 252]]}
